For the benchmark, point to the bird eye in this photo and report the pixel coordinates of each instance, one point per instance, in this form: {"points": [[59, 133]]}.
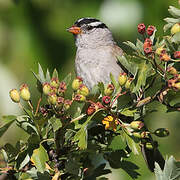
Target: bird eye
{"points": [[89, 27]]}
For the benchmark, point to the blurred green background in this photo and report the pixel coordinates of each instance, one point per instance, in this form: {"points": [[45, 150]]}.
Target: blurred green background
{"points": [[33, 31]]}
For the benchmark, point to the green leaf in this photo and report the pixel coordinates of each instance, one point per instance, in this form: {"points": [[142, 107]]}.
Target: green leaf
{"points": [[171, 170], [117, 143], [8, 121], [130, 44], [22, 159], [115, 83], [55, 74], [171, 20], [128, 112], [39, 158], [124, 101], [56, 123], [48, 77], [72, 166], [41, 73], [129, 63], [167, 26], [176, 38], [174, 11], [67, 79], [94, 93], [143, 73], [139, 45], [131, 143]]}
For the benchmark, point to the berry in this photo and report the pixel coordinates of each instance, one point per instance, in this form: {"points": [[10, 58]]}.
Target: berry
{"points": [[52, 98], [83, 90], [76, 83], [147, 43], [62, 87], [175, 28], [109, 90], [106, 99], [136, 125], [150, 30], [91, 109], [67, 104], [24, 92], [128, 83], [148, 50], [54, 82], [122, 79], [141, 28], [14, 95], [79, 98], [164, 57], [177, 55], [171, 70], [46, 88], [159, 50], [176, 86]]}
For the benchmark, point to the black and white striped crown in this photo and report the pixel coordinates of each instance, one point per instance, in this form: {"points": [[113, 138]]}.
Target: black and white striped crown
{"points": [[91, 22]]}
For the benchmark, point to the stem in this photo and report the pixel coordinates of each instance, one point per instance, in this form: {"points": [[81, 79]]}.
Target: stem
{"points": [[37, 108], [118, 95], [30, 104], [22, 107], [78, 118]]}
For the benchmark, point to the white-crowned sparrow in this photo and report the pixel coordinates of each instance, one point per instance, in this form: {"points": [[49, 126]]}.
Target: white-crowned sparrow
{"points": [[97, 52], [96, 58]]}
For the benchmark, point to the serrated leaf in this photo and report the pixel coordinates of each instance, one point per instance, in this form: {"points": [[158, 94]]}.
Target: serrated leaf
{"points": [[124, 101], [39, 158], [171, 170], [67, 79], [56, 123], [117, 143], [174, 11], [141, 76], [130, 44], [48, 77], [55, 74], [8, 121]]}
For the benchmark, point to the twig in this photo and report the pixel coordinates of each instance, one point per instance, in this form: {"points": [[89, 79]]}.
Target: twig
{"points": [[37, 108]]}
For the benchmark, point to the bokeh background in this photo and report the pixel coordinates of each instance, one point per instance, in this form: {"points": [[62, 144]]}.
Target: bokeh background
{"points": [[33, 31]]}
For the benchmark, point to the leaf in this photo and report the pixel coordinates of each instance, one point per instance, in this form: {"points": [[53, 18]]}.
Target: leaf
{"points": [[56, 123], [39, 158], [128, 112], [171, 20], [41, 73], [115, 83], [67, 79], [131, 143], [95, 92], [48, 77], [171, 170], [176, 38], [143, 71], [167, 26], [130, 44], [55, 74], [117, 143], [126, 61], [139, 45], [72, 166], [22, 159], [124, 101], [174, 11], [8, 121]]}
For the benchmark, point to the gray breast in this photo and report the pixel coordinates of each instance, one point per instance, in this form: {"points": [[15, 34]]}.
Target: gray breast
{"points": [[95, 65]]}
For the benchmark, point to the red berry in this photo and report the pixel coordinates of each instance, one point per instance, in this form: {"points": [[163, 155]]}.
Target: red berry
{"points": [[147, 43], [91, 109], [141, 28], [106, 99], [177, 55], [148, 50], [150, 30]]}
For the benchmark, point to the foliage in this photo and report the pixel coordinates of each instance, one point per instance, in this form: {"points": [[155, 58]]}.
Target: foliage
{"points": [[74, 132]]}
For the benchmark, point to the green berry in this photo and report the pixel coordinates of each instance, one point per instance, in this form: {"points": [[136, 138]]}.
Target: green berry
{"points": [[24, 92], [14, 95]]}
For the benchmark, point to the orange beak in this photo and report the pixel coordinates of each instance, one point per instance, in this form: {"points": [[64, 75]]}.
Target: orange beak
{"points": [[74, 30]]}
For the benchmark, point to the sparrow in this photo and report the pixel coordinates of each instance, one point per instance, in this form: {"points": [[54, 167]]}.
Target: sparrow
{"points": [[96, 55], [96, 58]]}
